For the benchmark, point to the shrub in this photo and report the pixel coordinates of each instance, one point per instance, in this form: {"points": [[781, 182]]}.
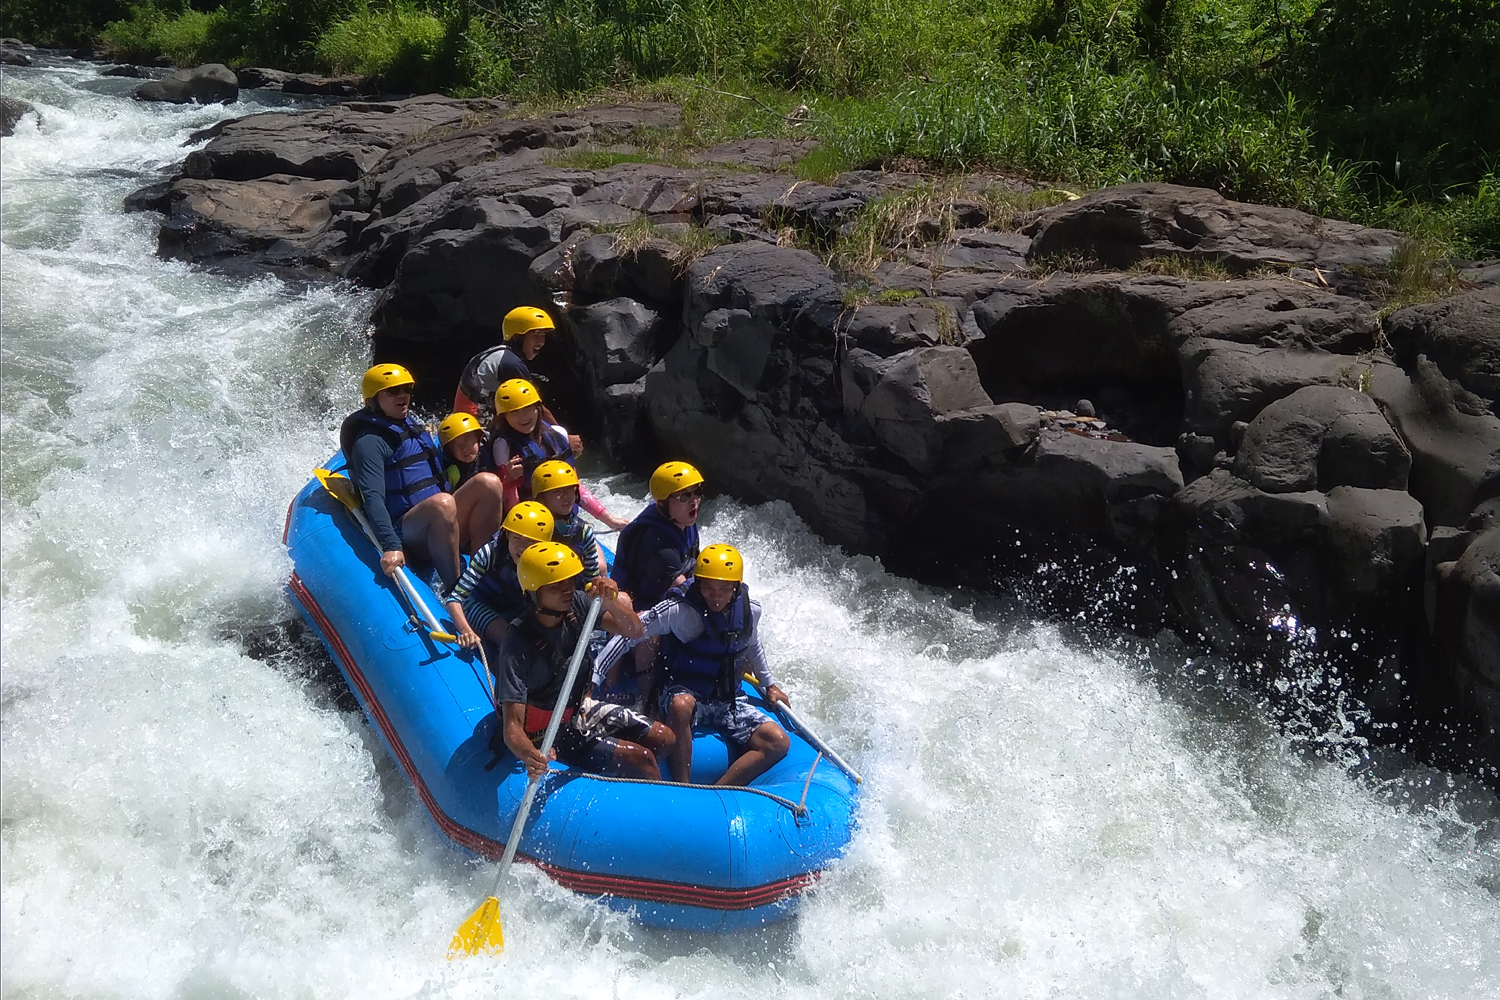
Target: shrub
{"points": [[395, 41]]}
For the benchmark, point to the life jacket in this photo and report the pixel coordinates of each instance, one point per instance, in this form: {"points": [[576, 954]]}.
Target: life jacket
{"points": [[461, 472], [570, 531], [553, 445], [414, 471], [498, 359], [539, 704], [650, 524], [500, 587], [706, 665]]}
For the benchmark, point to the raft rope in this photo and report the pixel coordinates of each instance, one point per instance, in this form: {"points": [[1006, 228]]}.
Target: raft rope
{"points": [[802, 804], [796, 809]]}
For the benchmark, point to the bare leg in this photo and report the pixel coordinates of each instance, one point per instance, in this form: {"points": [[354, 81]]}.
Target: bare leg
{"points": [[635, 761], [768, 744], [479, 501], [680, 718], [430, 531]]}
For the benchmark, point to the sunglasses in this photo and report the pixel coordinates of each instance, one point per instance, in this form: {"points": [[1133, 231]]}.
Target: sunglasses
{"points": [[686, 496], [400, 390]]}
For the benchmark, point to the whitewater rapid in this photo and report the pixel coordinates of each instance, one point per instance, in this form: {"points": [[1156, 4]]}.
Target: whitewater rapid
{"points": [[181, 819]]}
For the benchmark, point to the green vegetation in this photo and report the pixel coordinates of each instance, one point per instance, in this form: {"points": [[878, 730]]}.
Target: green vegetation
{"points": [[1376, 110]]}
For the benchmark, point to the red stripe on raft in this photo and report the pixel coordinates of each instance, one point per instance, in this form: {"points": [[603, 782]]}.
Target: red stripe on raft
{"points": [[586, 883]]}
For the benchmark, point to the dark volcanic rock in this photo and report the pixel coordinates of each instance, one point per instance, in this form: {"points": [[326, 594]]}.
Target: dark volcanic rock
{"points": [[13, 54], [1467, 626], [1461, 335], [1121, 225], [132, 72], [1455, 455], [261, 78], [619, 340], [1321, 437], [211, 83], [11, 112]]}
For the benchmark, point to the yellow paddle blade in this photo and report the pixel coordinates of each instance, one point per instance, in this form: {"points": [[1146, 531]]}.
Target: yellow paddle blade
{"points": [[339, 485], [480, 934]]}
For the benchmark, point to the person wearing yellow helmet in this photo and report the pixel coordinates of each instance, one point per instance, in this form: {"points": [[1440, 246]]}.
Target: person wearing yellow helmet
{"points": [[709, 631], [488, 594], [555, 484], [533, 662], [523, 437], [399, 473], [461, 437], [524, 332], [657, 549]]}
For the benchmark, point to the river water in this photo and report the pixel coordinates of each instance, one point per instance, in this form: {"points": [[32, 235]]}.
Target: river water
{"points": [[183, 819]]}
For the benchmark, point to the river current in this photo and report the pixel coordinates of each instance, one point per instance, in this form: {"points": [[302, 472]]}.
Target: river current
{"points": [[193, 808]]}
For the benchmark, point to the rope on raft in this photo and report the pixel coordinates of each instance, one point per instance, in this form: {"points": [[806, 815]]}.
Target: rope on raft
{"points": [[794, 808]]}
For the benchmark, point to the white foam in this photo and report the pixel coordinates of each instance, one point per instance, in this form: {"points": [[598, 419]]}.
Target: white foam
{"points": [[183, 821]]}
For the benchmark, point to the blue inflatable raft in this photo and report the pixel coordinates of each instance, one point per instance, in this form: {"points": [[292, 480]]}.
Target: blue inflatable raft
{"points": [[683, 856]]}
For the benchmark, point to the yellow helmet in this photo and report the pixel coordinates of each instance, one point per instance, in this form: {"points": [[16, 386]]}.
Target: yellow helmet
{"points": [[515, 394], [547, 562], [720, 562], [524, 319], [529, 519], [553, 475], [384, 377], [456, 425], [670, 477]]}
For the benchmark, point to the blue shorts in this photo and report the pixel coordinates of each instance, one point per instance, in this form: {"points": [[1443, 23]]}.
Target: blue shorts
{"points": [[737, 718]]}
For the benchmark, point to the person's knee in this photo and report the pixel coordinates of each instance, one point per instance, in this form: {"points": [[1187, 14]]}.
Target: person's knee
{"points": [[487, 483], [773, 741], [660, 738], [681, 706], [636, 759]]}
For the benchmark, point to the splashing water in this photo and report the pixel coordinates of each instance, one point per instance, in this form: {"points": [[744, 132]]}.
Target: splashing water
{"points": [[181, 820]]}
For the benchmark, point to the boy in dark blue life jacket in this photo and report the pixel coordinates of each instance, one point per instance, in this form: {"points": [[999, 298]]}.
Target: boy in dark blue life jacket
{"points": [[533, 663], [488, 595], [657, 549], [398, 470], [709, 639]]}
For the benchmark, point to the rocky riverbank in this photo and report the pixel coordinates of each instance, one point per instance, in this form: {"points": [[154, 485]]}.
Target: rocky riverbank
{"points": [[1275, 450]]}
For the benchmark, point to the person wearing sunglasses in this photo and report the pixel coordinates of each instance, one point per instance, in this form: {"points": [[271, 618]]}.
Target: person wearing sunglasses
{"points": [[656, 553], [403, 484]]}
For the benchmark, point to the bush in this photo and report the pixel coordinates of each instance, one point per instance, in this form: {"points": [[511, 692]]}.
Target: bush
{"points": [[396, 41], [186, 37]]}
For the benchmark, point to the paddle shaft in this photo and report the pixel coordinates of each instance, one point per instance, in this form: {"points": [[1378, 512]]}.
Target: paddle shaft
{"points": [[514, 840], [812, 737]]}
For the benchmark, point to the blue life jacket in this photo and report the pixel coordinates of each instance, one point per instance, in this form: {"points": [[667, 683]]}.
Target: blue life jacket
{"points": [[500, 587], [650, 531], [554, 444], [570, 531], [414, 471], [539, 703], [706, 665]]}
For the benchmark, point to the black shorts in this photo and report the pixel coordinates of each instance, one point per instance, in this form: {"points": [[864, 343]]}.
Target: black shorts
{"points": [[587, 751]]}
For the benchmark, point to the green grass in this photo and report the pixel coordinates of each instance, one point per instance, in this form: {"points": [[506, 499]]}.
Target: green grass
{"points": [[1373, 110]]}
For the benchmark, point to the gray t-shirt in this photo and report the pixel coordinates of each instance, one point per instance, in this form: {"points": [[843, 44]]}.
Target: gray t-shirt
{"points": [[523, 673]]}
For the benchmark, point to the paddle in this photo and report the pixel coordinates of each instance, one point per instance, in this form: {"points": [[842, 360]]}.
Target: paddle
{"points": [[342, 490], [811, 736], [482, 932]]}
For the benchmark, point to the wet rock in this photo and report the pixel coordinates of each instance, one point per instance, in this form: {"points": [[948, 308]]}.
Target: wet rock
{"points": [[262, 78], [211, 83], [133, 72], [1461, 336], [1321, 437], [12, 111], [1378, 540], [619, 339], [205, 219], [13, 53], [1466, 628], [1121, 225], [1455, 455]]}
